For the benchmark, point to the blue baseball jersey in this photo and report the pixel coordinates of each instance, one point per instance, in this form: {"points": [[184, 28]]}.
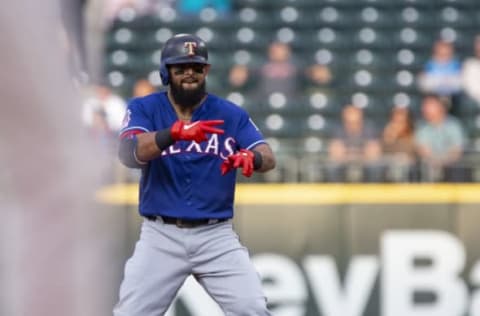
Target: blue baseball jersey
{"points": [[185, 181]]}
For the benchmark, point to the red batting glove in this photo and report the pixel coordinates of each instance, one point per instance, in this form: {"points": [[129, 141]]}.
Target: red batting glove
{"points": [[196, 131], [241, 159]]}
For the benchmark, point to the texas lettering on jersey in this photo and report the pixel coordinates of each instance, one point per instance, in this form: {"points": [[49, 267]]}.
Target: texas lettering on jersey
{"points": [[212, 146]]}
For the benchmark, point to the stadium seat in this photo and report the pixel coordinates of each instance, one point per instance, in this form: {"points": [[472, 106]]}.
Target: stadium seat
{"points": [[277, 125], [215, 38], [317, 124], [313, 144], [412, 38], [293, 17], [253, 18], [371, 59], [121, 82], [123, 61], [413, 16], [371, 16], [331, 38], [154, 38], [293, 106], [336, 17], [250, 39], [257, 4], [374, 38], [406, 58], [345, 4], [131, 19], [124, 38], [323, 102], [423, 4], [455, 17]]}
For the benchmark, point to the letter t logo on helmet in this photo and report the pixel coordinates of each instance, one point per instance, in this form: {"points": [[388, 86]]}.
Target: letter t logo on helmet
{"points": [[190, 46], [182, 49]]}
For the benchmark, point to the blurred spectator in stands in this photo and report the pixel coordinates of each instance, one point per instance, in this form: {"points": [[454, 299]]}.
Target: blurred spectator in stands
{"points": [[143, 87], [239, 79], [442, 74], [238, 76], [279, 74], [103, 99], [440, 143], [194, 7], [354, 153], [471, 73], [398, 143], [318, 75]]}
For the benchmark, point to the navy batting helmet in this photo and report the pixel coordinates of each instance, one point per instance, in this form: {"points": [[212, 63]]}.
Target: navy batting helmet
{"points": [[182, 49]]}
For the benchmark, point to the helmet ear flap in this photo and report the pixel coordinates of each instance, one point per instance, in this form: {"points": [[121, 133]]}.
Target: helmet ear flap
{"points": [[164, 74]]}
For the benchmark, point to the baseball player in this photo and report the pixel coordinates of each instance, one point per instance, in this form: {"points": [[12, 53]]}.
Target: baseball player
{"points": [[188, 144]]}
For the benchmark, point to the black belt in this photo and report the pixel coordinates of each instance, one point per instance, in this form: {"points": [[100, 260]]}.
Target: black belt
{"points": [[186, 223]]}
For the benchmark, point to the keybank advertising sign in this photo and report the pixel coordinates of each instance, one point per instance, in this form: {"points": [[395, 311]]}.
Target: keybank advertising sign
{"points": [[416, 273]]}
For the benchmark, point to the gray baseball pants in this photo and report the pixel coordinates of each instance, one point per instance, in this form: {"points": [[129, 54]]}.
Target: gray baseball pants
{"points": [[166, 255]]}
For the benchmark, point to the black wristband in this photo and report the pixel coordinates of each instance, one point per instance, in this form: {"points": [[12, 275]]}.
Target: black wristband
{"points": [[163, 139], [257, 160]]}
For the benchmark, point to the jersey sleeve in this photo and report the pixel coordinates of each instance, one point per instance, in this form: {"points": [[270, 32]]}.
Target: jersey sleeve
{"points": [[248, 134], [136, 120]]}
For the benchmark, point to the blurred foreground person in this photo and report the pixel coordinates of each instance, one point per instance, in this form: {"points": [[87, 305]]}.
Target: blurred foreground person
{"points": [[53, 237]]}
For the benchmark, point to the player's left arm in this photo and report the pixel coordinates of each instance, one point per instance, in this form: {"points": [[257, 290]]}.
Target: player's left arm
{"points": [[259, 158], [254, 154], [267, 157]]}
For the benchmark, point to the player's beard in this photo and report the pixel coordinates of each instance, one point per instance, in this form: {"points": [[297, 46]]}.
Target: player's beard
{"points": [[187, 98]]}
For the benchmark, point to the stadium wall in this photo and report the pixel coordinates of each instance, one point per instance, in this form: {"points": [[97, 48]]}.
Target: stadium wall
{"points": [[345, 250]]}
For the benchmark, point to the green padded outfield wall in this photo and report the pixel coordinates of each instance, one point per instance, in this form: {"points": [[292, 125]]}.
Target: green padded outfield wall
{"points": [[345, 250]]}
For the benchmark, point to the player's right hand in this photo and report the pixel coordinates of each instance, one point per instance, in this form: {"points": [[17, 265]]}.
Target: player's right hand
{"points": [[196, 131]]}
